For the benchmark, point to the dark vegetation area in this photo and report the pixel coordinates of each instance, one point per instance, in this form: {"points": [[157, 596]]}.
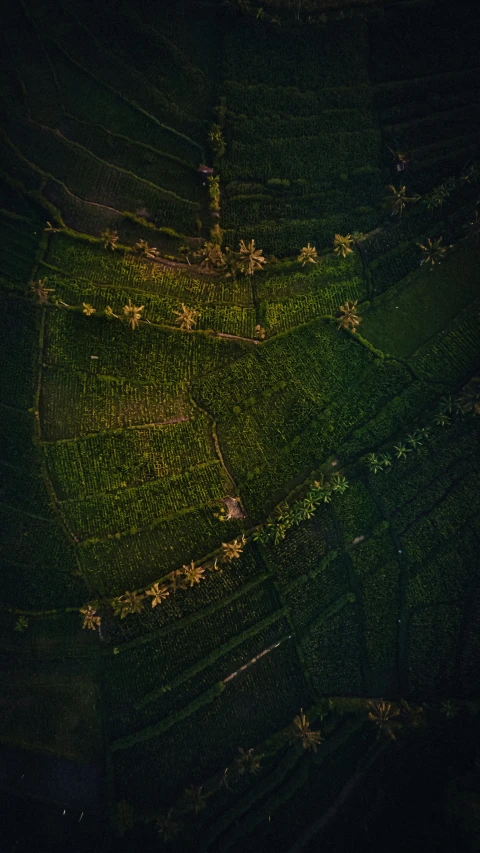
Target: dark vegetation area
{"points": [[239, 411]]}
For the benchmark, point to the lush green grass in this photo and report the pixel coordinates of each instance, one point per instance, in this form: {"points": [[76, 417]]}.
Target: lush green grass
{"points": [[408, 315]]}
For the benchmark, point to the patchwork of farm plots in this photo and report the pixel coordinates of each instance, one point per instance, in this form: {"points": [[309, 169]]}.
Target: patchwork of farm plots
{"points": [[120, 446]]}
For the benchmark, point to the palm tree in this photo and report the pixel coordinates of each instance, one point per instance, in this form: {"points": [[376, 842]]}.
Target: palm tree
{"points": [[307, 255], [308, 738], [177, 580], [193, 574], [449, 708], [339, 484], [195, 799], [88, 309], [412, 715], [433, 251], [260, 332], [40, 291], [247, 761], [167, 827], [343, 245], [91, 620], [129, 602], [473, 228], [402, 450], [383, 715], [373, 463], [141, 247], [187, 317], [250, 259], [232, 550], [399, 199], [210, 256], [133, 314], [437, 196], [108, 312], [22, 624], [348, 316], [441, 419], [415, 440], [158, 592], [110, 239]]}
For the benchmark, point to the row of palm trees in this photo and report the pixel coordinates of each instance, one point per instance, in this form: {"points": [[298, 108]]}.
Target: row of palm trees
{"points": [[466, 401], [388, 718], [188, 576], [286, 517]]}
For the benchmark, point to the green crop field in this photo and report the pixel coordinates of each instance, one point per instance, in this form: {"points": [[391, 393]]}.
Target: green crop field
{"points": [[239, 416]]}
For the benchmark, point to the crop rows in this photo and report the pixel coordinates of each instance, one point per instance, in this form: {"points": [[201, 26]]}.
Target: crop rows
{"points": [[157, 667], [94, 180], [261, 100], [455, 352], [139, 507], [88, 100], [74, 404], [111, 566], [274, 687], [134, 457], [93, 264], [312, 157]]}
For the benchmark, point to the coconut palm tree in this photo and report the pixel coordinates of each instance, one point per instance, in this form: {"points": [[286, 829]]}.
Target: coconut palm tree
{"points": [[141, 247], [399, 199], [193, 574], [373, 463], [158, 593], [339, 484], [196, 800], [110, 239], [382, 714], [247, 761], [22, 624], [88, 309], [437, 197], [40, 291], [129, 602], [415, 440], [260, 332], [177, 580], [441, 419], [433, 251], [348, 316], [412, 715], [308, 738], [133, 314], [108, 312], [91, 619], [250, 259], [187, 317], [307, 255], [232, 550], [343, 245], [210, 256], [167, 827], [401, 450]]}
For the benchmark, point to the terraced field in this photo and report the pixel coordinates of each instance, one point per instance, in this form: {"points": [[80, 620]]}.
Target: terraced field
{"points": [[261, 511]]}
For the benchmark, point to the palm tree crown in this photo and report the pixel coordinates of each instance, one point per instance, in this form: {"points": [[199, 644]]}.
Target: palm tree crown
{"points": [[250, 259], [133, 314], [343, 245], [308, 254], [348, 316], [187, 317]]}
